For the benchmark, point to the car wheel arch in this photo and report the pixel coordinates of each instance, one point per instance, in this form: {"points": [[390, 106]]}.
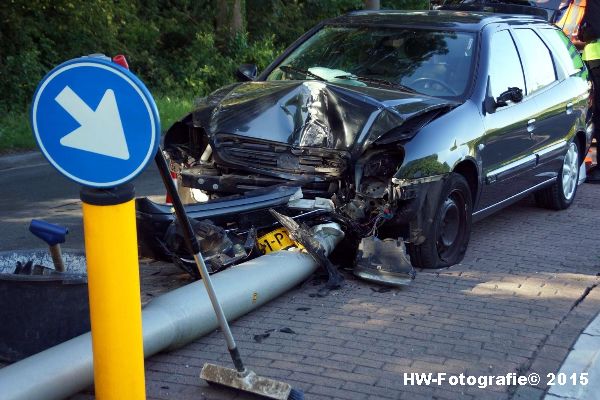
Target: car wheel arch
{"points": [[580, 140], [178, 133], [468, 169], [186, 138]]}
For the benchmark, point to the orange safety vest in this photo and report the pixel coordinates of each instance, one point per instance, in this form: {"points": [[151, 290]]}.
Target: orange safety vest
{"points": [[571, 19]]}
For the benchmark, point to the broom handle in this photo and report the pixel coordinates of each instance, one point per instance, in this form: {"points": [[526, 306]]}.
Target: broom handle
{"points": [[194, 248]]}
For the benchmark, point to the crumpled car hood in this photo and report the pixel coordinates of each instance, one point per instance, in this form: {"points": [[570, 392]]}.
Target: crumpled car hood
{"points": [[310, 113]]}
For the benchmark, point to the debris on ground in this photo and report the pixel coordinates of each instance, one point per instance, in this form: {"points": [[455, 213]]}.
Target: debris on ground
{"points": [[39, 262], [259, 338], [383, 261], [262, 336], [28, 268], [302, 235], [381, 289], [218, 249]]}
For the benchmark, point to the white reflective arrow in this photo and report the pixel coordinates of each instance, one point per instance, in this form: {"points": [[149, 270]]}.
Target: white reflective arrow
{"points": [[101, 131]]}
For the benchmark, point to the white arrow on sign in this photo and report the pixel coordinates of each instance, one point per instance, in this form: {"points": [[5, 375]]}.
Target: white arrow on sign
{"points": [[101, 131]]}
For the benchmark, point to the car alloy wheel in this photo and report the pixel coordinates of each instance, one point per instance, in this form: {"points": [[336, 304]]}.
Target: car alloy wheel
{"points": [[570, 172], [561, 193]]}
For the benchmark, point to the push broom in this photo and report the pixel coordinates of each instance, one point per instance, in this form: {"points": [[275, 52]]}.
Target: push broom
{"points": [[239, 378]]}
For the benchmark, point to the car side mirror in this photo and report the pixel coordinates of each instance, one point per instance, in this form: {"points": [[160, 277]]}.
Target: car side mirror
{"points": [[513, 94], [490, 104], [246, 72]]}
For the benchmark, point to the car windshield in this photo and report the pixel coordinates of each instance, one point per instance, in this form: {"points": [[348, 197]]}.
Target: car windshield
{"points": [[435, 63]]}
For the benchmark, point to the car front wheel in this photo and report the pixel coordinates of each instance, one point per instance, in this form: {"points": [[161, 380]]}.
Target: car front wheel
{"points": [[561, 194], [448, 234]]}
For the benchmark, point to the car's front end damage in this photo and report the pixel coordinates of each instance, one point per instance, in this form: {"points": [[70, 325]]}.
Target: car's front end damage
{"points": [[310, 150]]}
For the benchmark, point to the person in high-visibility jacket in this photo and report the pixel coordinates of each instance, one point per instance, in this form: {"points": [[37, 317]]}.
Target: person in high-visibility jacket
{"points": [[569, 16], [589, 33]]}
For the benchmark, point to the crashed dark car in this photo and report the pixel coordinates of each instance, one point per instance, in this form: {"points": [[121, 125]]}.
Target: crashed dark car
{"points": [[409, 125]]}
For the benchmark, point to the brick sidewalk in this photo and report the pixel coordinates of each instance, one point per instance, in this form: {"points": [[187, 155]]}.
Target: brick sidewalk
{"points": [[517, 303]]}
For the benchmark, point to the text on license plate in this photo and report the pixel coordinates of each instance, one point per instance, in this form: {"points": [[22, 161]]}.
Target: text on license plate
{"points": [[276, 240]]}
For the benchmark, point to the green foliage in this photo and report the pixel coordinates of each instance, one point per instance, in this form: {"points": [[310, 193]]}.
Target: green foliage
{"points": [[275, 16], [405, 4], [172, 45], [172, 109], [14, 132]]}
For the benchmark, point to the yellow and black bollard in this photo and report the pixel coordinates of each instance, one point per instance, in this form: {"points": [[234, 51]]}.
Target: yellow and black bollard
{"points": [[114, 292], [98, 125]]}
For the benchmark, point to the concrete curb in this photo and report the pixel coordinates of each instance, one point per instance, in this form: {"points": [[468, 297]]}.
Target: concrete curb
{"points": [[20, 160], [583, 358]]}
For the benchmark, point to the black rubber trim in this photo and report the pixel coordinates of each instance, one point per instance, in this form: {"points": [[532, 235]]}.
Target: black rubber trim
{"points": [[108, 197], [237, 360], [182, 218]]}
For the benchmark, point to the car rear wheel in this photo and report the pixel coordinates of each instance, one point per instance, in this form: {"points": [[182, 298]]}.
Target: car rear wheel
{"points": [[448, 235], [561, 194]]}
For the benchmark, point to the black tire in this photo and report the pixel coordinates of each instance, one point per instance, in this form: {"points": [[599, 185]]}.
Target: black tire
{"points": [[447, 237], [553, 197]]}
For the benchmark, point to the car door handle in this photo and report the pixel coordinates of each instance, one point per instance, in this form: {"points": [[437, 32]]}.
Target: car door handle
{"points": [[531, 126], [569, 108]]}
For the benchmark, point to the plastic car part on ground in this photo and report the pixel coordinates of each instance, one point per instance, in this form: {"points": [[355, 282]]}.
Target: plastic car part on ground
{"points": [[219, 250], [384, 261]]}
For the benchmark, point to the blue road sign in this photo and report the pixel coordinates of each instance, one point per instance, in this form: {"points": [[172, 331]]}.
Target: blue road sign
{"points": [[95, 122]]}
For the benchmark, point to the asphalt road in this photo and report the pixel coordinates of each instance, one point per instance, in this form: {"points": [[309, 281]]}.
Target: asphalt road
{"points": [[31, 188]]}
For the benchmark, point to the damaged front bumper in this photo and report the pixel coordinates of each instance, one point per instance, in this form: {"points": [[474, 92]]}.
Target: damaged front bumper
{"points": [[239, 217]]}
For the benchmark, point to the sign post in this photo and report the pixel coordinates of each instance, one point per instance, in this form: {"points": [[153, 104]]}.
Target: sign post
{"points": [[98, 125]]}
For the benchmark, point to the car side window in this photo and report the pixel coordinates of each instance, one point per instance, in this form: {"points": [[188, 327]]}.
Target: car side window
{"points": [[505, 65], [566, 52], [539, 67]]}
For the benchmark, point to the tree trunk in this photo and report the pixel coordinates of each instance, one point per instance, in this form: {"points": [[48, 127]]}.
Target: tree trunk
{"points": [[231, 17], [237, 17], [372, 4]]}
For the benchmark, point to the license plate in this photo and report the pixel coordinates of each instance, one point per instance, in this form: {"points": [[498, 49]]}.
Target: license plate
{"points": [[276, 240]]}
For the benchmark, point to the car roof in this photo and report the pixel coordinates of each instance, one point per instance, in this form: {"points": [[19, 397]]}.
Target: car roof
{"points": [[442, 19], [544, 8]]}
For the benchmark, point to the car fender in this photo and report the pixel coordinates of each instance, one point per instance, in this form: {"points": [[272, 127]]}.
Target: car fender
{"points": [[435, 151], [440, 146]]}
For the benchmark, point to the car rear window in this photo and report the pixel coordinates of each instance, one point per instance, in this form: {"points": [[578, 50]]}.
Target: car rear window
{"points": [[564, 50], [539, 67]]}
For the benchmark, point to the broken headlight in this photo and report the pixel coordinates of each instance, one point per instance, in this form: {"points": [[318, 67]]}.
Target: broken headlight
{"points": [[374, 173]]}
